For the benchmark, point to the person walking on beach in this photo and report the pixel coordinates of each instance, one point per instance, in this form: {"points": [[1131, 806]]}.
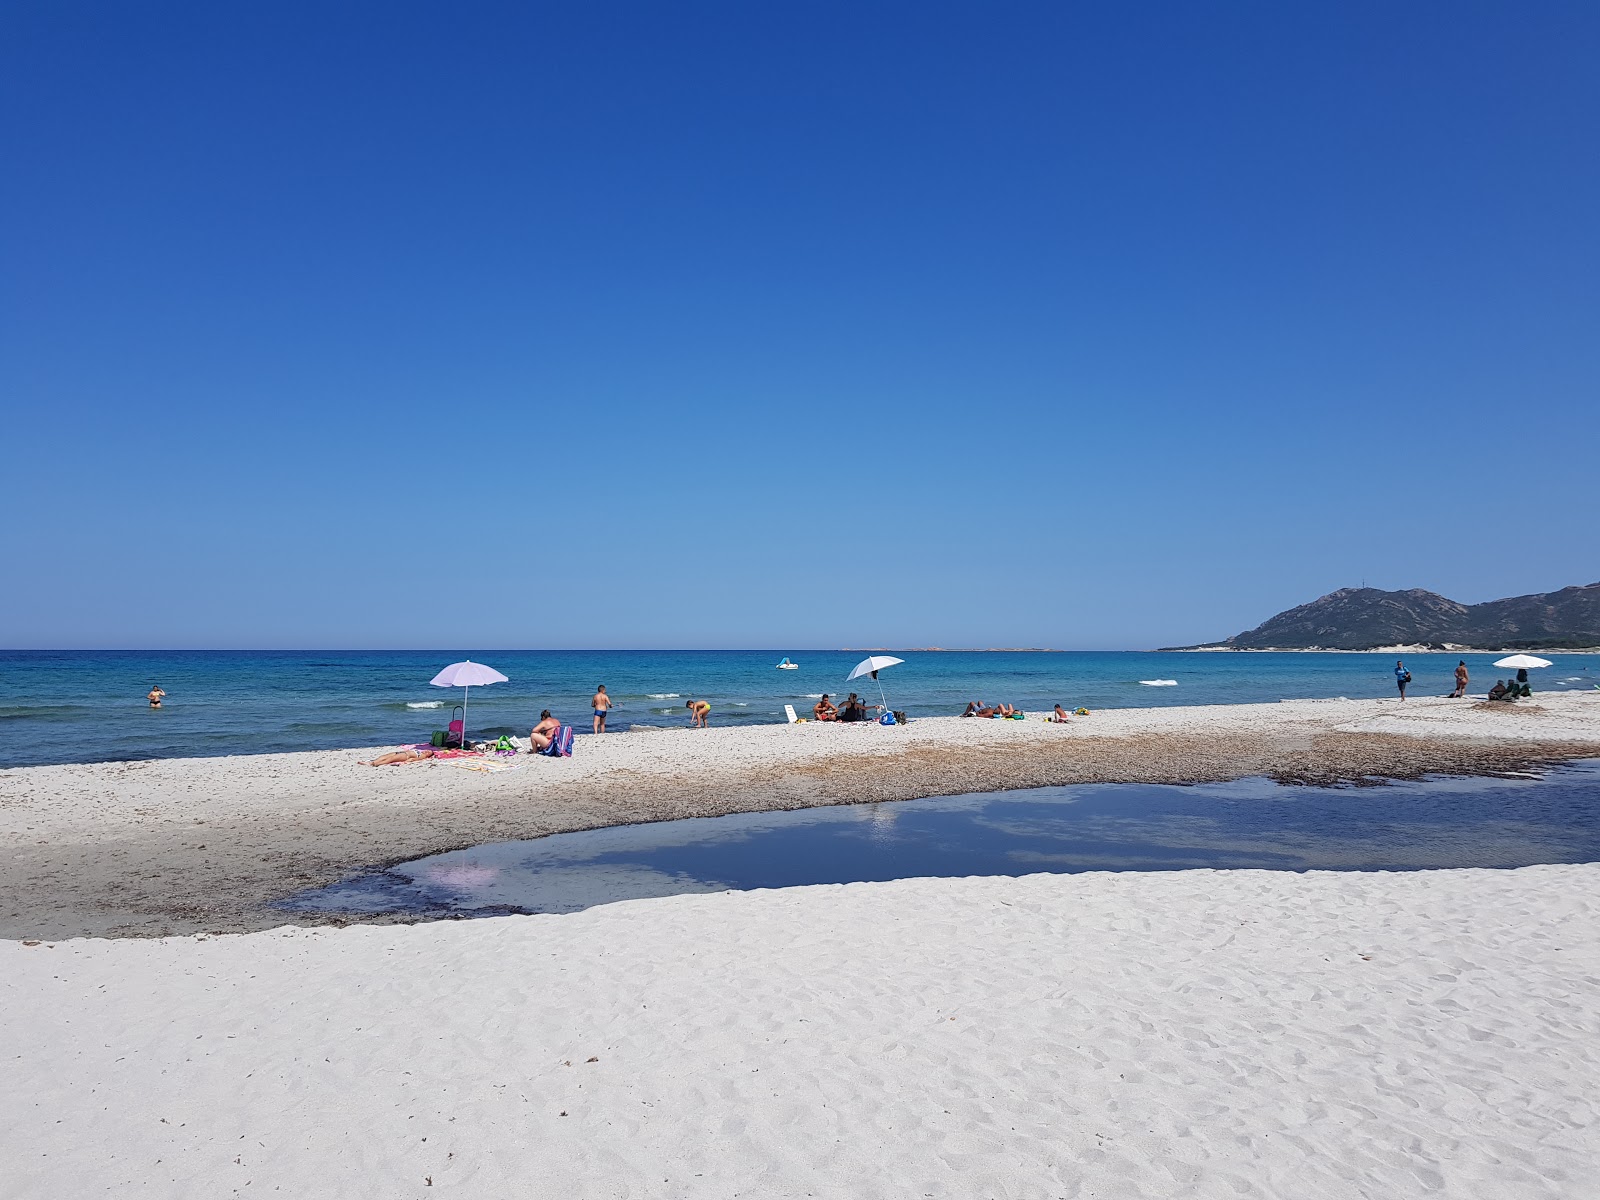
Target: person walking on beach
{"points": [[602, 705], [699, 710], [1461, 679], [1401, 677], [155, 696]]}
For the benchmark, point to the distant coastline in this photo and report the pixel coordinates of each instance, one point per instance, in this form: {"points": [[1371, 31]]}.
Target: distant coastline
{"points": [[1419, 648]]}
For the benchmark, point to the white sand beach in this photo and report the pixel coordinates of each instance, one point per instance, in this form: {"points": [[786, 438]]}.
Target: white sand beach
{"points": [[1190, 1034], [202, 845]]}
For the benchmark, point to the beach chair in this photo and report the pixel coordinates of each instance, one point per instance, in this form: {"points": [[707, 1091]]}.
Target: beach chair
{"points": [[561, 744], [788, 711]]}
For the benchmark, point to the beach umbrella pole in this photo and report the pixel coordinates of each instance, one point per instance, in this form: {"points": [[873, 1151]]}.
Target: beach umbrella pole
{"points": [[465, 692]]}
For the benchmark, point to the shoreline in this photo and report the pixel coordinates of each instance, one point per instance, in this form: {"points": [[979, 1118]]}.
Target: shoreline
{"points": [[181, 846]]}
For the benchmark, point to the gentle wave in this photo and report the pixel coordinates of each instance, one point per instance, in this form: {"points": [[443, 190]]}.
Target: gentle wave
{"points": [[424, 703], [662, 695], [1159, 682]]}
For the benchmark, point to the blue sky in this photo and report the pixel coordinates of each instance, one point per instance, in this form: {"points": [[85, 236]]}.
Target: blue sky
{"points": [[1088, 326]]}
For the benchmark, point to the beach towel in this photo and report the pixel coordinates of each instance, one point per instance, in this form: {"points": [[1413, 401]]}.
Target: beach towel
{"points": [[484, 766], [560, 743]]}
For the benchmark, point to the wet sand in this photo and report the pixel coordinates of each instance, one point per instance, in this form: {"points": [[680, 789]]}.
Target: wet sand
{"points": [[185, 846]]}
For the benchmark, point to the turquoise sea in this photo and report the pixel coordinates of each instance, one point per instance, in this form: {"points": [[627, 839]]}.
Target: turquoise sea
{"points": [[89, 706]]}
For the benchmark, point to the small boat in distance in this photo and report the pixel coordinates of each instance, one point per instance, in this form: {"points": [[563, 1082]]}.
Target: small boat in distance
{"points": [[786, 665]]}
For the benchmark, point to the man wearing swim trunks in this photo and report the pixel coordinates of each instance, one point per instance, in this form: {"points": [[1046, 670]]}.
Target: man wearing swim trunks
{"points": [[602, 705]]}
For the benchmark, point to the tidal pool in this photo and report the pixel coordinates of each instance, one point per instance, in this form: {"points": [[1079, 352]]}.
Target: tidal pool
{"points": [[1501, 822]]}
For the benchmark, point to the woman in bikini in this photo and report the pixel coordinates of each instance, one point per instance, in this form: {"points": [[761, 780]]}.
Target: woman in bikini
{"points": [[155, 696], [544, 731], [398, 756]]}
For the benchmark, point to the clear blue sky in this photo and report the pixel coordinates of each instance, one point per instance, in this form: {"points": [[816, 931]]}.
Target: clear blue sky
{"points": [[1089, 326]]}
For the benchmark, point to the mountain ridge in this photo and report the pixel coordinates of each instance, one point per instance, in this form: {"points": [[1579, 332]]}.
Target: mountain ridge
{"points": [[1370, 618]]}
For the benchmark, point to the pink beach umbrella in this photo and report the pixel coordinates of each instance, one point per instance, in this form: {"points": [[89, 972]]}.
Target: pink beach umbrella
{"points": [[466, 676]]}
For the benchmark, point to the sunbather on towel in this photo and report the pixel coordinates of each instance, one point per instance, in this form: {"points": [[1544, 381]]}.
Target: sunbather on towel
{"points": [[977, 708], [823, 710], [541, 733], [1005, 710], [399, 756]]}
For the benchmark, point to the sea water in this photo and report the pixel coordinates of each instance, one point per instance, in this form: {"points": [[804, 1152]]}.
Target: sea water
{"points": [[1248, 823], [89, 706]]}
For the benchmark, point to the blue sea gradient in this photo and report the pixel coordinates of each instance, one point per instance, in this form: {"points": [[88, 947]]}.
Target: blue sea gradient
{"points": [[89, 706]]}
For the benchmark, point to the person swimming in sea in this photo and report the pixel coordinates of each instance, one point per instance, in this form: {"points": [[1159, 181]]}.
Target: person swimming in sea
{"points": [[155, 696], [699, 710]]}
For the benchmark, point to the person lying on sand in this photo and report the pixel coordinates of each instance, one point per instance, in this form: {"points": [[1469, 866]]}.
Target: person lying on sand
{"points": [[539, 736], [398, 756], [1059, 716], [977, 708], [1005, 710], [824, 711]]}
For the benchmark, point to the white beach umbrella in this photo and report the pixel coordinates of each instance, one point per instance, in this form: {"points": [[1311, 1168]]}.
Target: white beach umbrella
{"points": [[871, 666], [1524, 662], [466, 676]]}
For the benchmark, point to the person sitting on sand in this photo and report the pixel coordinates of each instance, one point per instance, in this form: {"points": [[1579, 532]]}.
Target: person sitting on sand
{"points": [[399, 756], [154, 696], [1498, 691], [1059, 716], [542, 733], [699, 710], [823, 710], [854, 709]]}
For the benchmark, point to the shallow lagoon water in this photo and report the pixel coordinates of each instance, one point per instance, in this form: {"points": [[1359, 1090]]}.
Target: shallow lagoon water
{"points": [[1450, 822]]}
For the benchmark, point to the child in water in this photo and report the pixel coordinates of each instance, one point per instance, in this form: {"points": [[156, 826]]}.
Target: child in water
{"points": [[698, 711]]}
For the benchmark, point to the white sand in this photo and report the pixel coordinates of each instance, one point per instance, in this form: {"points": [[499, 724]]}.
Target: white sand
{"points": [[186, 845], [1210, 1034]]}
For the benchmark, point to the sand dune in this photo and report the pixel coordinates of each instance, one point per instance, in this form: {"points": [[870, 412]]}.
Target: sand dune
{"points": [[1201, 1034]]}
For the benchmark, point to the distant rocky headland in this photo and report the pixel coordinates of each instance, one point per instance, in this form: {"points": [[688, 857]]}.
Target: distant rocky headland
{"points": [[1370, 619]]}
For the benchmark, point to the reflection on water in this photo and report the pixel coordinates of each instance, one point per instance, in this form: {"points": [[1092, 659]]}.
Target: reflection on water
{"points": [[1102, 827]]}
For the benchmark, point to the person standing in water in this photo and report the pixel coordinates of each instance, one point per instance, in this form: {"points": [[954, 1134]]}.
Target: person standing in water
{"points": [[699, 710], [1461, 679], [602, 705], [155, 696], [1401, 677]]}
